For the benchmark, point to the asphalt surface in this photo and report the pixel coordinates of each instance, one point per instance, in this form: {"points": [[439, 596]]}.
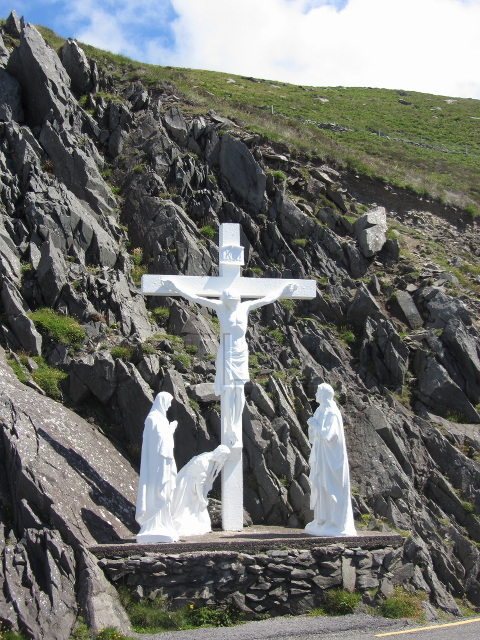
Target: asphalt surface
{"points": [[351, 627]]}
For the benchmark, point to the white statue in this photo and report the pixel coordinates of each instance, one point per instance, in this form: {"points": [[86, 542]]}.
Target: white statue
{"points": [[232, 357], [158, 472], [194, 481], [233, 297], [329, 475]]}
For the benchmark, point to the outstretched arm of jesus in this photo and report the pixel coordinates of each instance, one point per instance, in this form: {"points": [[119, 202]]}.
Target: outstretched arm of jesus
{"points": [[278, 293], [190, 295]]}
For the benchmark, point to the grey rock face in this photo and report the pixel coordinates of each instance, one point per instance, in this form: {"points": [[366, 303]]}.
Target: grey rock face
{"points": [[409, 310], [42, 442], [241, 171], [51, 273], [383, 348], [10, 98], [363, 306], [76, 169], [44, 81], [370, 230], [437, 389], [13, 25], [77, 66], [442, 308], [3, 53]]}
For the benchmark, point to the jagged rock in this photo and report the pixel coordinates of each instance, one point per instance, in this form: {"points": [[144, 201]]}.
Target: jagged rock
{"points": [[97, 598], [77, 170], [463, 346], [196, 330], [363, 306], [51, 273], [13, 25], [134, 398], [40, 581], [241, 171], [9, 258], [438, 391], [259, 396], [175, 124], [191, 431], [3, 53], [77, 66], [45, 441], [370, 230], [98, 373], [204, 392], [10, 98], [383, 348], [44, 81], [441, 308], [129, 308], [28, 337], [409, 310]]}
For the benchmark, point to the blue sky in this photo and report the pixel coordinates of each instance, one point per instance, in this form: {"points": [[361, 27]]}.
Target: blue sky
{"points": [[420, 45]]}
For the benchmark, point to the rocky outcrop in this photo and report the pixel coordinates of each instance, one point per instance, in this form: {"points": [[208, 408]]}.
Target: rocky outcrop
{"points": [[393, 337]]}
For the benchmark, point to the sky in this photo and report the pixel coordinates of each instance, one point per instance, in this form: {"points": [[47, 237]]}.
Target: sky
{"points": [[431, 46]]}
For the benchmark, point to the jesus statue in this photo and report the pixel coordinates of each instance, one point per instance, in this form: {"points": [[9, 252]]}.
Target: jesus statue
{"points": [[232, 357]]}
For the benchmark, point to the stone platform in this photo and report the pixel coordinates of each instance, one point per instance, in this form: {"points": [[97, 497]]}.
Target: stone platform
{"points": [[260, 570], [254, 539]]}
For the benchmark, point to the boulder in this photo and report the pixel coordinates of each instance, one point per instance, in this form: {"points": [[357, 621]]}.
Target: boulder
{"points": [[44, 81], [134, 399], [77, 169], [13, 25], [437, 390], [176, 125], [463, 346], [10, 98], [241, 171], [363, 306], [98, 373], [204, 392], [3, 53], [77, 66], [370, 231], [408, 309], [51, 273], [383, 348], [441, 308]]}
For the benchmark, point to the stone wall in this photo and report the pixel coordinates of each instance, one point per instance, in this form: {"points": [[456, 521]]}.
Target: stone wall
{"points": [[277, 581]]}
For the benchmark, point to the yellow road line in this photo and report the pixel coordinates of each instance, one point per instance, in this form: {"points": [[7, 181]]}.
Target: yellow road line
{"points": [[438, 626]]}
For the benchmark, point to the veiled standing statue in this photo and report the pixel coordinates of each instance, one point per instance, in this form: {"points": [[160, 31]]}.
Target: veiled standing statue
{"points": [[190, 500], [329, 475], [158, 473]]}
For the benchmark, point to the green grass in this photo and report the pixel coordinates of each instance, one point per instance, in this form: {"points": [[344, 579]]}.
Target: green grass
{"points": [[48, 378], [403, 605], [153, 616], [121, 353], [380, 136], [60, 328], [338, 602]]}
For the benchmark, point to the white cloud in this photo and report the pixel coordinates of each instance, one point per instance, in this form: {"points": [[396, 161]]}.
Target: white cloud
{"points": [[423, 45]]}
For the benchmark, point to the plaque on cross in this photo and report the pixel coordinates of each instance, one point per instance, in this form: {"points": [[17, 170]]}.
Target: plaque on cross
{"points": [[232, 297]]}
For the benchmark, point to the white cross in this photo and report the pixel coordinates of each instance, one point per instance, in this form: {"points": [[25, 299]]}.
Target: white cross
{"points": [[207, 290]]}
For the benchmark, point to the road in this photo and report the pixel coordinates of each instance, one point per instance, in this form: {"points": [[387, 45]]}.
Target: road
{"points": [[352, 627]]}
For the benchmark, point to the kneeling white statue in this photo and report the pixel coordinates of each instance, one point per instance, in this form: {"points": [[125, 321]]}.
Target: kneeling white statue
{"points": [[329, 475], [158, 472], [194, 481]]}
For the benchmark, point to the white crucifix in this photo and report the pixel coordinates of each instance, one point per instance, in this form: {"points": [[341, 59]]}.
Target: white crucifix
{"points": [[232, 297]]}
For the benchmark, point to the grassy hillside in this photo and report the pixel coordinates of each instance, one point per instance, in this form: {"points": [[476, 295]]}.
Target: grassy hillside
{"points": [[429, 144]]}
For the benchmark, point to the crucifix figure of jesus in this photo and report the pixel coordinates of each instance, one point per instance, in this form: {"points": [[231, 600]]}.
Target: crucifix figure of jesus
{"points": [[224, 294]]}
